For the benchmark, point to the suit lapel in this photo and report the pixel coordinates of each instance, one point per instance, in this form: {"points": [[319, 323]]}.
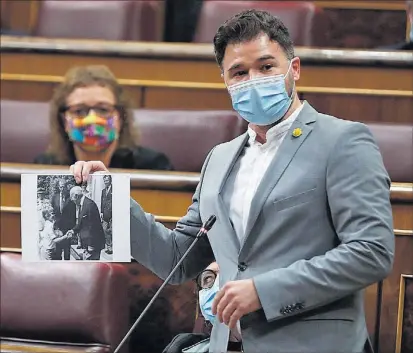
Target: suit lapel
{"points": [[83, 209], [228, 157], [280, 162]]}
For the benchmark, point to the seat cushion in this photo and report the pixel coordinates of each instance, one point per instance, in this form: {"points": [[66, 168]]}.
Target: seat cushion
{"points": [[24, 130], [395, 142], [63, 302], [84, 19], [300, 17], [186, 137], [147, 22]]}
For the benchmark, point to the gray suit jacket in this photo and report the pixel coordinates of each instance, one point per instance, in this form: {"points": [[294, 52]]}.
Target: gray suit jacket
{"points": [[319, 231]]}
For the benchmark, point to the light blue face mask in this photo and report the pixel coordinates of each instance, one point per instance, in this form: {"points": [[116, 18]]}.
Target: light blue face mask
{"points": [[263, 100], [206, 297]]}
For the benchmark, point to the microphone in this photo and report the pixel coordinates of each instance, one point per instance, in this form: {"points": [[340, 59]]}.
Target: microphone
{"points": [[203, 231]]}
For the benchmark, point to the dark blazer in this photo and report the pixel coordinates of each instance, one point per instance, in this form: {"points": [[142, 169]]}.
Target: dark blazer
{"points": [[89, 226], [106, 204], [67, 220], [56, 204], [124, 158]]}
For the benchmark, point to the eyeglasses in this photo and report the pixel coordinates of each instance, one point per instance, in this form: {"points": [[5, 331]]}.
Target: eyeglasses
{"points": [[206, 279], [81, 111]]}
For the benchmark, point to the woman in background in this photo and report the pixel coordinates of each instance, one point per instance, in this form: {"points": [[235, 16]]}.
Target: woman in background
{"points": [[91, 119]]}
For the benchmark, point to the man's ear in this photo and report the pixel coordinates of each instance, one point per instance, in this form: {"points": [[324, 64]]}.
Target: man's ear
{"points": [[296, 68]]}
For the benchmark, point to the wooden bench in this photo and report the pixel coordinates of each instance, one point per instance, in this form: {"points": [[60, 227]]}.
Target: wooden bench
{"points": [[351, 84]]}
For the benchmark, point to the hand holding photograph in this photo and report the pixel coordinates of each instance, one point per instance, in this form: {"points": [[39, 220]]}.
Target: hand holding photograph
{"points": [[65, 221]]}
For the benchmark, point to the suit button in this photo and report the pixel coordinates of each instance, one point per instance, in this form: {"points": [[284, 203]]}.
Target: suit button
{"points": [[242, 266]]}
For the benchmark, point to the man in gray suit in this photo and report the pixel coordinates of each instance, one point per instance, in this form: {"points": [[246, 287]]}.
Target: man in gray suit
{"points": [[302, 200]]}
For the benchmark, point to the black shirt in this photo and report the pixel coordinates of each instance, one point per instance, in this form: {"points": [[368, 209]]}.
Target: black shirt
{"points": [[123, 158]]}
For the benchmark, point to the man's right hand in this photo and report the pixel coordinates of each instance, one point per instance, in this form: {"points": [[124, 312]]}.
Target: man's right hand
{"points": [[69, 233], [81, 170]]}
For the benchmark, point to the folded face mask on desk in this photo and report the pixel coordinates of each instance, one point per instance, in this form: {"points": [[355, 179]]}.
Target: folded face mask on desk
{"points": [[206, 297], [93, 132]]}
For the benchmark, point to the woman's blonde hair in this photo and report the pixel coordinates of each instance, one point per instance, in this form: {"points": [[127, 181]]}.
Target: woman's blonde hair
{"points": [[84, 76]]}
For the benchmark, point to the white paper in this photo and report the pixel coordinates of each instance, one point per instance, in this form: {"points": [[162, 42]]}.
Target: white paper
{"points": [[40, 236]]}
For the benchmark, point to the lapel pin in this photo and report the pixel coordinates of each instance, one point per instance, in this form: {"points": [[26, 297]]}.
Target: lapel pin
{"points": [[297, 132]]}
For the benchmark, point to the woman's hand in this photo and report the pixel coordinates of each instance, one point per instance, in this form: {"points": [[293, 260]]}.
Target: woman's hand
{"points": [[81, 170]]}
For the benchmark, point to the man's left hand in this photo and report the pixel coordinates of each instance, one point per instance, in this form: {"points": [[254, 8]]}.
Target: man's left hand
{"points": [[234, 300]]}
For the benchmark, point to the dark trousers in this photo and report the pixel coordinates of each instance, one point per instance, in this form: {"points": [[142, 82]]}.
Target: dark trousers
{"points": [[91, 254], [53, 255], [63, 247], [107, 228]]}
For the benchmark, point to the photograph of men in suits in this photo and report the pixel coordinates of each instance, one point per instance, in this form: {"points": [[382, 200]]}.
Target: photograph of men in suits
{"points": [[88, 224], [106, 212], [302, 202]]}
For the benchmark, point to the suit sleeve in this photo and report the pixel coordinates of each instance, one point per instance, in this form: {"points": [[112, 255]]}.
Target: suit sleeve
{"points": [[101, 201], [94, 215], [358, 191], [55, 204], [159, 248]]}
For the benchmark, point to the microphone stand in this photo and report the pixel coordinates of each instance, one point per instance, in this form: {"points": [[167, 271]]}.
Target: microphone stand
{"points": [[203, 231]]}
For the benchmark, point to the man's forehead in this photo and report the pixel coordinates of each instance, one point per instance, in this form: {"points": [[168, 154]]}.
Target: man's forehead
{"points": [[77, 190], [251, 51]]}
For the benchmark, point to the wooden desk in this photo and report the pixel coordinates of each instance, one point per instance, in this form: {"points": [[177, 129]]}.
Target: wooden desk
{"points": [[160, 193], [352, 84]]}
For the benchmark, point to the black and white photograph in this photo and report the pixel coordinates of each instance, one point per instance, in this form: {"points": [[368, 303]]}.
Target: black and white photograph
{"points": [[64, 221]]}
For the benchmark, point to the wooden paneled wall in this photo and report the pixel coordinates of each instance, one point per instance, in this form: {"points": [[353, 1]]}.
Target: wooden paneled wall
{"points": [[404, 334]]}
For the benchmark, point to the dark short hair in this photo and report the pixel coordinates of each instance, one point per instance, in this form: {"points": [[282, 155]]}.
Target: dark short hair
{"points": [[246, 26]]}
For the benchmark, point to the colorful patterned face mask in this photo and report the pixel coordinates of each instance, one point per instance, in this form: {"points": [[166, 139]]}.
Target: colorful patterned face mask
{"points": [[93, 132]]}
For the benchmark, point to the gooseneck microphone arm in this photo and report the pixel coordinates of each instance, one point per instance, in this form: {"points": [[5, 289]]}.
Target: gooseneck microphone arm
{"points": [[203, 231]]}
